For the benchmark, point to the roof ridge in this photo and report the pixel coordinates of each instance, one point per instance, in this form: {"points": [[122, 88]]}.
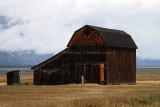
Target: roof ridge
{"points": [[107, 29]]}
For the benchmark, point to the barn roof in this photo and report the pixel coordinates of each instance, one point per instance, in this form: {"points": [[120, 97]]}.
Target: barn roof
{"points": [[50, 59], [112, 37]]}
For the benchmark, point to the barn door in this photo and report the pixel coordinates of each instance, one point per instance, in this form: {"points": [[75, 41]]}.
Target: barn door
{"points": [[92, 72], [102, 74]]}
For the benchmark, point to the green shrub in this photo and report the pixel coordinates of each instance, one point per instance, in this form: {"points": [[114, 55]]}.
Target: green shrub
{"points": [[146, 100]]}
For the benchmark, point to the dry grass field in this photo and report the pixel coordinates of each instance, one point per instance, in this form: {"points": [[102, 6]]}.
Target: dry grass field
{"points": [[145, 93]]}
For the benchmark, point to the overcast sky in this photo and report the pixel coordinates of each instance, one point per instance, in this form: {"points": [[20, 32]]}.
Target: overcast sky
{"points": [[47, 25]]}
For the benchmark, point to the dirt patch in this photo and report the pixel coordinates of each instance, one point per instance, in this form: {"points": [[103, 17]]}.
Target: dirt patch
{"points": [[152, 82], [1, 84]]}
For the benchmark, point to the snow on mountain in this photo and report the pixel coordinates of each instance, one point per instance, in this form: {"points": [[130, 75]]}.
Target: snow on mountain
{"points": [[6, 22], [28, 57]]}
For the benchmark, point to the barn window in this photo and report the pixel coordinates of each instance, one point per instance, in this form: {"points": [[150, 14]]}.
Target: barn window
{"points": [[87, 32]]}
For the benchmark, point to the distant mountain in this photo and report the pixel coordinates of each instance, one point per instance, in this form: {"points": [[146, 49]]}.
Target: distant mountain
{"points": [[28, 57], [3, 22], [147, 62], [6, 58], [6, 22]]}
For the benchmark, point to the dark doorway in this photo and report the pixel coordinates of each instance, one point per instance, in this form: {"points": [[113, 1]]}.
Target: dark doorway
{"points": [[92, 72]]}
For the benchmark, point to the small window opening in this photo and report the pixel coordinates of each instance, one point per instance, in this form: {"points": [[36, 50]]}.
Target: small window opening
{"points": [[87, 32]]}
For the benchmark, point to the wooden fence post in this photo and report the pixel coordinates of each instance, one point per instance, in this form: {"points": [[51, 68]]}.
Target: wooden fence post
{"points": [[82, 79]]}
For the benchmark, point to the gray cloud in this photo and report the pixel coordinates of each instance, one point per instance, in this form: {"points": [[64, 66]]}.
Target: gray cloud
{"points": [[47, 25]]}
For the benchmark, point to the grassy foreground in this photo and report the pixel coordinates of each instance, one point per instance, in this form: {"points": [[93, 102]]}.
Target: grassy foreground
{"points": [[145, 93]]}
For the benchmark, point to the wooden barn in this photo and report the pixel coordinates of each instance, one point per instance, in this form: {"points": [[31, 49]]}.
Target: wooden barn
{"points": [[93, 54], [13, 78]]}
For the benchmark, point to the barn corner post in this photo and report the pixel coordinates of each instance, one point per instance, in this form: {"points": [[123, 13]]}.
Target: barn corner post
{"points": [[93, 55]]}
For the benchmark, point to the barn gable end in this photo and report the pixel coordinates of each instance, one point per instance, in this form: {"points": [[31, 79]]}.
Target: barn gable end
{"points": [[86, 36], [92, 35]]}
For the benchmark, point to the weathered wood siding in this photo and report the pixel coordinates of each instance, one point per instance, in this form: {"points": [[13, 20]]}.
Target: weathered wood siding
{"points": [[121, 65], [36, 77], [86, 36], [41, 77], [13, 78]]}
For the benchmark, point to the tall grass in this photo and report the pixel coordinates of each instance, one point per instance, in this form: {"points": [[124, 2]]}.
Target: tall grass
{"points": [[78, 95], [145, 93], [23, 80]]}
